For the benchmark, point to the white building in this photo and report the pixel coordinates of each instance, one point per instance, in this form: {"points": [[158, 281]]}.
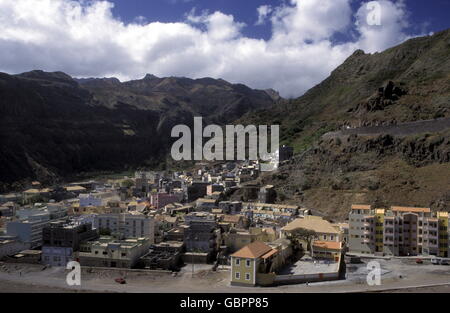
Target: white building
{"points": [[109, 252], [10, 247], [127, 225], [90, 200], [29, 232], [57, 256]]}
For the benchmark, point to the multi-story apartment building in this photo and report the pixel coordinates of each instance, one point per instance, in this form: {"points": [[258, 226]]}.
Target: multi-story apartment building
{"points": [[444, 234], [161, 199], [61, 239], [28, 231], [399, 231], [127, 225], [110, 252]]}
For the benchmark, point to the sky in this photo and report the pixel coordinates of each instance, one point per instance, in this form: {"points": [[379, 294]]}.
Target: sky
{"points": [[286, 45]]}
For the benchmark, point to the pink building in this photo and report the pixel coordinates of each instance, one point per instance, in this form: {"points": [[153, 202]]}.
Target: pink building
{"points": [[160, 200]]}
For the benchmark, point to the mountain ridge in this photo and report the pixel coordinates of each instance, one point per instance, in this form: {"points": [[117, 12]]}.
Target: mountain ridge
{"points": [[53, 126], [406, 83]]}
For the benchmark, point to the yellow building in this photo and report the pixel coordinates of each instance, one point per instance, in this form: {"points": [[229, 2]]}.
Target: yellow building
{"points": [[324, 230], [251, 263], [399, 231], [379, 229], [443, 234], [328, 250]]}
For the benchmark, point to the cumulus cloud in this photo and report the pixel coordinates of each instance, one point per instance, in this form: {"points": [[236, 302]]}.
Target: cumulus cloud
{"points": [[83, 38], [263, 12], [392, 22]]}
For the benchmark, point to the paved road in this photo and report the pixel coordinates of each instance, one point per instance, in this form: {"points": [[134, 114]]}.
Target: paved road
{"points": [[35, 279]]}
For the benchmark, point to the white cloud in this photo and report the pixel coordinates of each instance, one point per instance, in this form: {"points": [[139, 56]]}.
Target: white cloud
{"points": [[85, 39], [263, 13], [393, 21]]}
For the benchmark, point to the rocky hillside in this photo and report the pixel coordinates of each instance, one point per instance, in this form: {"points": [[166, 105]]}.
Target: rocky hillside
{"points": [[54, 126], [410, 82]]}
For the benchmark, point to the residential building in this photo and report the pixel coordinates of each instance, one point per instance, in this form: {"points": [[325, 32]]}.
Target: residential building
{"points": [[234, 221], [61, 239], [327, 250], [327, 242], [165, 256], [67, 234], [252, 263], [11, 246], [236, 239], [142, 182], [324, 230], [28, 231], [110, 252], [444, 234], [77, 190], [196, 190], [210, 189], [267, 194], [203, 204], [199, 216], [161, 199], [280, 208], [398, 231], [230, 207], [8, 209], [90, 199], [127, 225]]}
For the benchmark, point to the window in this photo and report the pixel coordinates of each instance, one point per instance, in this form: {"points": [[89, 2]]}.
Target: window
{"points": [[238, 262], [237, 275], [247, 263], [247, 276]]}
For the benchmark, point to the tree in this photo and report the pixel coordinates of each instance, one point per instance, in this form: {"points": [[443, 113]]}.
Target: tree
{"points": [[300, 235]]}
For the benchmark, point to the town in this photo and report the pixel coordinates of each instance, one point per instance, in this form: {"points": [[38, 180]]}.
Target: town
{"points": [[212, 218]]}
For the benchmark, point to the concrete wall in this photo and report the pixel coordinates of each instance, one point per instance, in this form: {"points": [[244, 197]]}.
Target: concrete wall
{"points": [[298, 279]]}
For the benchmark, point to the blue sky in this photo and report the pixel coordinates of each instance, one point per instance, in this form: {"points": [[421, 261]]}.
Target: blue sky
{"points": [[430, 15], [295, 45]]}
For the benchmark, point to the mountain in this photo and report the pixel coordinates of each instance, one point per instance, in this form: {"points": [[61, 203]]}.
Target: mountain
{"points": [[376, 131], [53, 126]]}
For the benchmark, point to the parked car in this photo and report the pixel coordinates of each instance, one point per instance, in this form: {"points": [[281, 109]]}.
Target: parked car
{"points": [[435, 261], [121, 281], [419, 261], [444, 262]]}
